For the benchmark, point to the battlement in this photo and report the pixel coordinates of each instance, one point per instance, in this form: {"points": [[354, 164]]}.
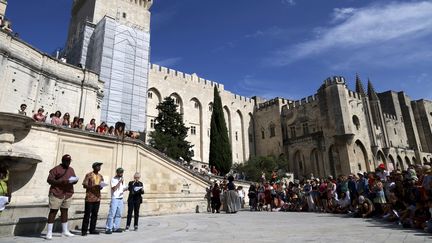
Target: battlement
{"points": [[303, 102], [355, 95], [390, 117], [180, 76], [334, 80], [141, 3]]}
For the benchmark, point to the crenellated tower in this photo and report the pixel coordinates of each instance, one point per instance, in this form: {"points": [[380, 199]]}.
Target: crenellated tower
{"points": [[112, 38]]}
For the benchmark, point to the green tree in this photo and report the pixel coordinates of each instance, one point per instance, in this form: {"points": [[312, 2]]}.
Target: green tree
{"points": [[170, 132], [220, 147], [254, 167]]}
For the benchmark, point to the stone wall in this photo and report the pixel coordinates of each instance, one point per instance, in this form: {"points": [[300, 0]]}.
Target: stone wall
{"points": [[194, 95], [38, 80], [169, 188]]}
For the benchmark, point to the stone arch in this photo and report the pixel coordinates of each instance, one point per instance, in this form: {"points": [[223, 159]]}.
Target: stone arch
{"points": [[227, 117], [251, 135], [154, 98], [425, 160], [239, 151], [316, 162], [414, 160], [400, 164], [178, 101], [391, 166], [360, 155], [334, 161], [356, 122], [407, 162], [196, 120], [381, 158], [299, 163]]}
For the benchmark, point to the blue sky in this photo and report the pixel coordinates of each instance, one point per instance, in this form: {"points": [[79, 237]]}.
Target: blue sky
{"points": [[271, 48]]}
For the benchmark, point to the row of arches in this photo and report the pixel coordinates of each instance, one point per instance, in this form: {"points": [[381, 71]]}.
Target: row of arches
{"points": [[330, 162], [198, 119], [314, 162]]}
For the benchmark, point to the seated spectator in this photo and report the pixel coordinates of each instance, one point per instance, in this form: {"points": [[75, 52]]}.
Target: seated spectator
{"points": [[74, 123], [48, 120], [365, 207], [343, 203], [39, 116], [22, 109], [66, 120], [111, 131], [119, 129], [80, 123], [91, 127], [102, 128], [56, 120]]}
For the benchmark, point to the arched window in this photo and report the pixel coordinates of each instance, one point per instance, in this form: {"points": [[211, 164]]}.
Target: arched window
{"points": [[272, 130], [356, 122]]}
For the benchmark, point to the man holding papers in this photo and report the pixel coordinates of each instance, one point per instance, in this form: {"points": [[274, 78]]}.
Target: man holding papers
{"points": [[93, 183], [136, 189], [62, 179], [116, 206]]}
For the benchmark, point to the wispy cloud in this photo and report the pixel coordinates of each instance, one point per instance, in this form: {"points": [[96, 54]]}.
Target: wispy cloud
{"points": [[225, 46], [340, 14], [250, 85], [274, 32], [367, 28], [168, 62], [288, 2]]}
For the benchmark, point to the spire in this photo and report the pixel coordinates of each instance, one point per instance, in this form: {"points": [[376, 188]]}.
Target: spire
{"points": [[359, 86], [371, 91]]}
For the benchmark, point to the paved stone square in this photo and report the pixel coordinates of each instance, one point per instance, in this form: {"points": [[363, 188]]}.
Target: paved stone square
{"points": [[251, 227]]}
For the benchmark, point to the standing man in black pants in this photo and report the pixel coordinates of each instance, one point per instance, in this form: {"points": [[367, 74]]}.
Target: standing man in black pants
{"points": [[136, 189], [92, 184]]}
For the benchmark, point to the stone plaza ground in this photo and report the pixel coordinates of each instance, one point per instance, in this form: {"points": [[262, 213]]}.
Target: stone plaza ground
{"points": [[250, 227]]}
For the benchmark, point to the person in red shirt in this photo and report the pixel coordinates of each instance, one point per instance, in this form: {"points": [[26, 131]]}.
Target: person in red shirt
{"points": [[62, 179], [39, 116]]}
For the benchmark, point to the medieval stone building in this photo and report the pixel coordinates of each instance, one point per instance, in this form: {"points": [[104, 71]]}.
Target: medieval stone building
{"points": [[108, 76], [339, 131]]}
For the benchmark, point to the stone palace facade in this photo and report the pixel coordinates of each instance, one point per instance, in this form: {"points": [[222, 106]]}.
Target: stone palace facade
{"points": [[108, 76]]}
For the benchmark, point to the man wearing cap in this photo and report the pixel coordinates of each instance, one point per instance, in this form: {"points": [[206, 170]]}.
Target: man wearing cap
{"points": [[116, 206], [92, 184], [61, 178]]}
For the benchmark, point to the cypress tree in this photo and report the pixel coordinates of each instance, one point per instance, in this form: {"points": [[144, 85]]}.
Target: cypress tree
{"points": [[220, 147], [170, 132]]}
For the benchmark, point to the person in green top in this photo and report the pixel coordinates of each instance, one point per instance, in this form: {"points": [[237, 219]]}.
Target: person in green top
{"points": [[4, 180]]}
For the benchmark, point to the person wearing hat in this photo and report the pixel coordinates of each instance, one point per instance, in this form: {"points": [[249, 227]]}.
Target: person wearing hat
{"points": [[93, 185], [61, 179], [116, 205]]}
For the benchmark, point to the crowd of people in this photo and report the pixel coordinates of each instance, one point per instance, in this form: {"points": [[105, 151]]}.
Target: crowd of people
{"points": [[62, 179], [403, 197], [65, 120], [224, 195]]}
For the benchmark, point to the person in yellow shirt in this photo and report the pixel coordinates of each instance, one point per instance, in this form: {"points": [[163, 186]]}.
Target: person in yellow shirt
{"points": [[4, 182], [92, 184]]}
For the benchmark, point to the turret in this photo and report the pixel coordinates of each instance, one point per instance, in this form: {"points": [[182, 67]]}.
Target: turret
{"points": [[371, 92], [359, 86]]}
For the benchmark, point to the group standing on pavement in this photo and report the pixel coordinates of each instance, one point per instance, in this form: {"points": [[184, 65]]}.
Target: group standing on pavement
{"points": [[62, 179]]}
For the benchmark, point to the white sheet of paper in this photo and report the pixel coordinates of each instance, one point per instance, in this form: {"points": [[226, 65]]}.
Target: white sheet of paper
{"points": [[73, 179], [3, 201], [137, 188], [103, 184]]}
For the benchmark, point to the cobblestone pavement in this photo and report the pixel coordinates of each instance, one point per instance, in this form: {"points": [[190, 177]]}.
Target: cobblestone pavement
{"points": [[250, 227]]}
